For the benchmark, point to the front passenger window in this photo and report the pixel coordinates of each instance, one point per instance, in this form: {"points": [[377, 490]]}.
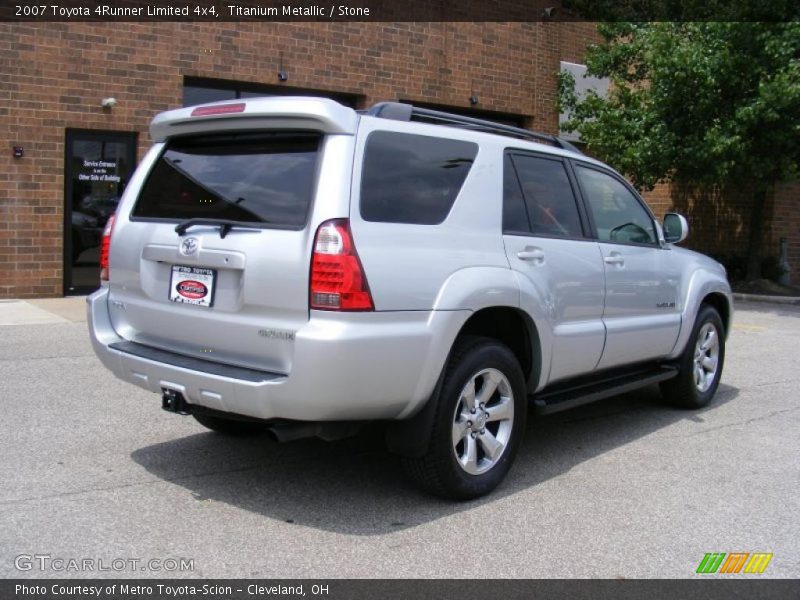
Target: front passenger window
{"points": [[618, 215]]}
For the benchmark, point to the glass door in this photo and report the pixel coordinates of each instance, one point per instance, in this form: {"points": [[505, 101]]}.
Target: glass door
{"points": [[98, 166]]}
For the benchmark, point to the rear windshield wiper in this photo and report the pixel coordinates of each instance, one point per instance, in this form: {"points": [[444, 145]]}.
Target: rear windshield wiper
{"points": [[225, 225]]}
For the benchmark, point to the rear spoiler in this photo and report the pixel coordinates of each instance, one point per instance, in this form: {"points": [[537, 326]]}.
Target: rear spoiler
{"points": [[286, 112]]}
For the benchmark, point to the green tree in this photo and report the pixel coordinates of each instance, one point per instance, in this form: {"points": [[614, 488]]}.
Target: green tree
{"points": [[702, 104]]}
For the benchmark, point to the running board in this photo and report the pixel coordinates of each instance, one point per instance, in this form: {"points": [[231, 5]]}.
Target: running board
{"points": [[569, 395]]}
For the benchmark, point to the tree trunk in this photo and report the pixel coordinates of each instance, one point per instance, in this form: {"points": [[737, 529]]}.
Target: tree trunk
{"points": [[754, 250]]}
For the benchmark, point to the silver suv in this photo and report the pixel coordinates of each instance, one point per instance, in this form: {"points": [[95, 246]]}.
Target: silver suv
{"points": [[293, 265]]}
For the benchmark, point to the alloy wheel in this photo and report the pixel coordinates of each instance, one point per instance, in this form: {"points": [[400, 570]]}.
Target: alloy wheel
{"points": [[482, 421]]}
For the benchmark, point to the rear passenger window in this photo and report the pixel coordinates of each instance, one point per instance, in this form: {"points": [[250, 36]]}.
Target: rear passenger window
{"points": [[551, 205], [515, 216], [412, 178]]}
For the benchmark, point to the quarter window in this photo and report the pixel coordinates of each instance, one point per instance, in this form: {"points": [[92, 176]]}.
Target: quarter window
{"points": [[412, 178], [618, 215]]}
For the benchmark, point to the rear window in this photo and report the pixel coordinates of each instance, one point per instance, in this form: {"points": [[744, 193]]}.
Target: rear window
{"points": [[412, 178], [250, 178]]}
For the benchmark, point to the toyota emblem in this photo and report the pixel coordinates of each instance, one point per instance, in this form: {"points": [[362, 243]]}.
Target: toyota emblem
{"points": [[189, 246]]}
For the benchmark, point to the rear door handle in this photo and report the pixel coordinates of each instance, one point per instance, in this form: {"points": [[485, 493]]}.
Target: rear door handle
{"points": [[533, 254], [615, 258]]}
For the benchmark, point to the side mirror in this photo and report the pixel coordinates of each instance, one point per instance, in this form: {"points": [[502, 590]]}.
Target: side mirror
{"points": [[676, 228]]}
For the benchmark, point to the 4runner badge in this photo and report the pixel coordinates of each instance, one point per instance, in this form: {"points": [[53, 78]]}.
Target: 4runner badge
{"points": [[277, 334], [189, 246]]}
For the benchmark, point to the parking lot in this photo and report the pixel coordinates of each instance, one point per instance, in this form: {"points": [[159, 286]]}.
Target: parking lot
{"points": [[93, 468]]}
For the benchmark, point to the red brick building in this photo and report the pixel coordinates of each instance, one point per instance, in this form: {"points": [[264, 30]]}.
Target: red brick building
{"points": [[67, 157]]}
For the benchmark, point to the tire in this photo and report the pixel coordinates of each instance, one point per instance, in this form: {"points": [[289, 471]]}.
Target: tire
{"points": [[469, 457], [700, 365], [230, 427]]}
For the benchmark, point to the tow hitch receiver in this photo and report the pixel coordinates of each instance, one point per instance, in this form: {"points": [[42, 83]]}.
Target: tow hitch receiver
{"points": [[172, 401]]}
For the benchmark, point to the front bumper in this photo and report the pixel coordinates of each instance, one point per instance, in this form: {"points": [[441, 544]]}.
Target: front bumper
{"points": [[347, 366]]}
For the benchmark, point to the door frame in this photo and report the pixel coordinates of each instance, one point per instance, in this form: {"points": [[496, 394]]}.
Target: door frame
{"points": [[70, 136]]}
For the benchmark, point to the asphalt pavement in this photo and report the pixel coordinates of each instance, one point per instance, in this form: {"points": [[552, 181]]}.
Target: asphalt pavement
{"points": [[93, 469]]}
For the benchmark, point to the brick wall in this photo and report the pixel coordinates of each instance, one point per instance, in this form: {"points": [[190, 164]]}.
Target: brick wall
{"points": [[719, 221], [785, 222], [53, 75]]}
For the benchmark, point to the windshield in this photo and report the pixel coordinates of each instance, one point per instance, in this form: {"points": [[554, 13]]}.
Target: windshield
{"points": [[250, 178]]}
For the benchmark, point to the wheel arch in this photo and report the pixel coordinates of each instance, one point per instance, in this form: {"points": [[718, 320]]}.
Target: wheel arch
{"points": [[515, 329], [506, 324], [721, 304], [704, 287]]}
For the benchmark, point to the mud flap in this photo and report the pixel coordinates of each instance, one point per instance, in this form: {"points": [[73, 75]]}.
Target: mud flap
{"points": [[412, 437]]}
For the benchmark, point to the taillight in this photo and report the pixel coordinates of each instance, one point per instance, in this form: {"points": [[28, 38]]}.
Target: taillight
{"points": [[104, 248], [338, 281]]}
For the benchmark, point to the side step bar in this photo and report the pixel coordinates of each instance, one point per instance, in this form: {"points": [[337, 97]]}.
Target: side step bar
{"points": [[571, 394]]}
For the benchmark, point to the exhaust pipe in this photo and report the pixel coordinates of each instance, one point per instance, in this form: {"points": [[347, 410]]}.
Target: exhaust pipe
{"points": [[283, 431], [288, 431]]}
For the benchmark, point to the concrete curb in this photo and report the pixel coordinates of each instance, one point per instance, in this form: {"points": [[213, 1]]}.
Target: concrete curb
{"points": [[770, 299]]}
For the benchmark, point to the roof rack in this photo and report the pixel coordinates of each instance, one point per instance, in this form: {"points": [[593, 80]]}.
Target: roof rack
{"points": [[400, 111]]}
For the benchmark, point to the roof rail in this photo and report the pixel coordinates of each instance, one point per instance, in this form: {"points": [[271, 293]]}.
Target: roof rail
{"points": [[400, 111]]}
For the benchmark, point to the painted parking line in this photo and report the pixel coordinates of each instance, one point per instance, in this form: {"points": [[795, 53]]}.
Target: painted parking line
{"points": [[746, 327]]}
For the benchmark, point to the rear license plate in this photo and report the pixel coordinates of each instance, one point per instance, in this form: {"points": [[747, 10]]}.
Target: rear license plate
{"points": [[192, 285]]}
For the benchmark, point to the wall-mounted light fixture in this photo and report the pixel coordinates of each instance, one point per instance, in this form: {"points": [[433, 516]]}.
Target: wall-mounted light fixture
{"points": [[19, 151], [473, 100], [549, 13], [108, 103]]}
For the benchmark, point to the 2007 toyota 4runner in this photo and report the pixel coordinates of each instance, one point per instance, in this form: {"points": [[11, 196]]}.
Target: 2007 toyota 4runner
{"points": [[294, 265]]}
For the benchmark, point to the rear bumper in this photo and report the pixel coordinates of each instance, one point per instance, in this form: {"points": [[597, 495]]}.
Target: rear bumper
{"points": [[347, 366]]}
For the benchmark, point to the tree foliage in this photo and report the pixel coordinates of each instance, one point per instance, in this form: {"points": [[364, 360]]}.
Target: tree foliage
{"points": [[702, 104], [699, 103]]}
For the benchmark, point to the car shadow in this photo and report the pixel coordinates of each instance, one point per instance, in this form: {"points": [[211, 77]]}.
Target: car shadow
{"points": [[356, 487]]}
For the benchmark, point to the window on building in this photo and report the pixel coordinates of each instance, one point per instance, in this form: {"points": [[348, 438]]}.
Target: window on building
{"points": [[195, 94], [203, 91], [583, 84], [475, 113]]}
